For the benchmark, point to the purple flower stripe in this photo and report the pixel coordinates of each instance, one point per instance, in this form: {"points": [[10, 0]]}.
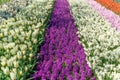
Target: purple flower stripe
{"points": [[61, 56], [113, 18]]}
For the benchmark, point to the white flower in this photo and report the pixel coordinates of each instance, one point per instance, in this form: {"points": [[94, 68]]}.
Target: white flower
{"points": [[3, 61], [4, 39], [35, 33], [35, 41], [1, 35], [9, 62], [6, 70], [14, 50], [101, 37], [16, 64], [14, 70], [19, 55], [23, 47], [22, 38], [1, 45], [16, 30], [12, 32], [5, 32], [13, 75], [10, 45], [30, 59]]}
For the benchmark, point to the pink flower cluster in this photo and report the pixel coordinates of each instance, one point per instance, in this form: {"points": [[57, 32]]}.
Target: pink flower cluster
{"points": [[107, 14]]}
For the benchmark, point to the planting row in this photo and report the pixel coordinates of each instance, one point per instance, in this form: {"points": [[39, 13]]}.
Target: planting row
{"points": [[113, 18], [101, 42], [110, 4], [61, 56], [19, 38], [12, 8]]}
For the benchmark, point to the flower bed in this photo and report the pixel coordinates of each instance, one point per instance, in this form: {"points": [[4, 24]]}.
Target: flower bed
{"points": [[101, 42], [12, 8], [113, 18], [19, 38], [110, 4], [61, 56]]}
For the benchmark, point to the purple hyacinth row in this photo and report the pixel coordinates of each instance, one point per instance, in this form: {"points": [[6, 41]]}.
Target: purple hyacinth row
{"points": [[109, 15], [61, 56]]}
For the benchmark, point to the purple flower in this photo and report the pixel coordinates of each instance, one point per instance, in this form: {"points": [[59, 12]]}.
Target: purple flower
{"points": [[48, 65], [69, 77], [53, 77], [61, 55], [93, 78], [75, 68]]}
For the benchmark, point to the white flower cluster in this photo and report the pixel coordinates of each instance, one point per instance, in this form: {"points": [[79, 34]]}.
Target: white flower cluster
{"points": [[19, 38], [12, 8], [100, 40]]}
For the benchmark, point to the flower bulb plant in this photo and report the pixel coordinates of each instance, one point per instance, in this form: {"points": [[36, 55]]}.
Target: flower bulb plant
{"points": [[99, 39], [61, 56], [20, 37]]}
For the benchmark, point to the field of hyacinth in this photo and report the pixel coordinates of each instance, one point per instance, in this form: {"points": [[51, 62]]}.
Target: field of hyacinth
{"points": [[59, 40]]}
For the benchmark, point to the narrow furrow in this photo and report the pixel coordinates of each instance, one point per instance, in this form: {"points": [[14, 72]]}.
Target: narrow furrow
{"points": [[61, 56]]}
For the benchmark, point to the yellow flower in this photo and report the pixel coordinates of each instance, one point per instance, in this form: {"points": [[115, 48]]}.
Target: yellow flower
{"points": [[27, 38], [31, 55], [23, 52], [20, 73], [30, 48], [1, 35], [26, 69], [3, 63], [30, 59], [7, 50], [24, 57]]}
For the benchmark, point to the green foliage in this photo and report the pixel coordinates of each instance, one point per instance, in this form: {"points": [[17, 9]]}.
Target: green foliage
{"points": [[3, 1], [117, 0]]}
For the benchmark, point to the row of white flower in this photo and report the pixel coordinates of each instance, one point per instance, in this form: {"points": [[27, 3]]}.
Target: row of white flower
{"points": [[20, 37], [13, 7], [100, 40]]}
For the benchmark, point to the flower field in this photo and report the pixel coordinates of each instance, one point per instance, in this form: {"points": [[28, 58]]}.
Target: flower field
{"points": [[111, 4], [20, 37], [59, 40]]}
